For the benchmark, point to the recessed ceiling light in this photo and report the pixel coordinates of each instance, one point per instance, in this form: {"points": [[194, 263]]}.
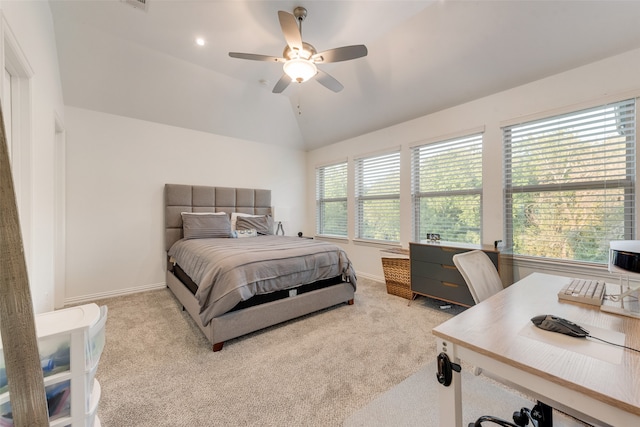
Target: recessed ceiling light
{"points": [[200, 41]]}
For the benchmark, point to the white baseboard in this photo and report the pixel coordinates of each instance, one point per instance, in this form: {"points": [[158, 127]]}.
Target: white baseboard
{"points": [[111, 294], [370, 277]]}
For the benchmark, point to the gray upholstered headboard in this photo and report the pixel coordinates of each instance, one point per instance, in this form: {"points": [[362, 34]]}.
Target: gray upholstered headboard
{"points": [[196, 198]]}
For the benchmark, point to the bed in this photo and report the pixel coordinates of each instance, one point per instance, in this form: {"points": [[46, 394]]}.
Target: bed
{"points": [[274, 278]]}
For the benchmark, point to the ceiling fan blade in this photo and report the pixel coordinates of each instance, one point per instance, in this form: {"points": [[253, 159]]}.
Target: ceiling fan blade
{"points": [[282, 84], [328, 81], [255, 57], [290, 30], [344, 53]]}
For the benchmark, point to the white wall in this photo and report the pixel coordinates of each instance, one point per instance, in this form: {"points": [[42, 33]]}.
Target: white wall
{"points": [[31, 24], [117, 160], [616, 77], [116, 171]]}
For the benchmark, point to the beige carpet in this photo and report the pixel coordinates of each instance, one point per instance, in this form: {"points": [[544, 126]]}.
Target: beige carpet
{"points": [[157, 368], [351, 365]]}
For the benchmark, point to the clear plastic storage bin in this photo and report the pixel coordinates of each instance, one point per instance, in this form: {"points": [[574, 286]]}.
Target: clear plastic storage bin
{"points": [[70, 343]]}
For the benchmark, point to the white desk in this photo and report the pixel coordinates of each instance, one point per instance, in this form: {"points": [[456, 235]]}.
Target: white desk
{"points": [[494, 335]]}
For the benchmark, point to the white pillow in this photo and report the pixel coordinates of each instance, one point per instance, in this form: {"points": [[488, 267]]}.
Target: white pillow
{"points": [[246, 233], [234, 218]]}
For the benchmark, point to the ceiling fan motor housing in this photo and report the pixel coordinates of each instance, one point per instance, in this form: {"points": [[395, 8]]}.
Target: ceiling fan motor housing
{"points": [[306, 53]]}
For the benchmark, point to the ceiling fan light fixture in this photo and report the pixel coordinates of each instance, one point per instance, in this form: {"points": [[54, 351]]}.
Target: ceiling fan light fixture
{"points": [[300, 58], [300, 70]]}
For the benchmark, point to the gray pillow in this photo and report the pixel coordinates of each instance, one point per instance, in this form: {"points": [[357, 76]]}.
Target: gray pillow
{"points": [[262, 224], [202, 226]]}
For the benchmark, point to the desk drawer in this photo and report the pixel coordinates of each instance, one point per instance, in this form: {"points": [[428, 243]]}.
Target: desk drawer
{"points": [[435, 254], [443, 272]]}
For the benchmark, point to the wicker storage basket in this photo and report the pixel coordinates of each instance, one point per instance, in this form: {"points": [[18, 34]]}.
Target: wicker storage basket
{"points": [[397, 272]]}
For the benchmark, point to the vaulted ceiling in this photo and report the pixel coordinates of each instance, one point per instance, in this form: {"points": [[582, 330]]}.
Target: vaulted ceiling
{"points": [[424, 56]]}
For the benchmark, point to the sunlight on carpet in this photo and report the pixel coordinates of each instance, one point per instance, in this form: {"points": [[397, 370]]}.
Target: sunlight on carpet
{"points": [[414, 402]]}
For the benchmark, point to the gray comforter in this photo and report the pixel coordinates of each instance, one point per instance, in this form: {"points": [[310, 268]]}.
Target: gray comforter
{"points": [[228, 271]]}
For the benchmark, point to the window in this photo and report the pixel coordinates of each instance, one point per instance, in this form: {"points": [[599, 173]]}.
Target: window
{"points": [[331, 200], [446, 182], [378, 197], [570, 183]]}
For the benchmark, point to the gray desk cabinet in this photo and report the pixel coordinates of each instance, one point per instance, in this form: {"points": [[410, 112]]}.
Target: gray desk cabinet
{"points": [[433, 273]]}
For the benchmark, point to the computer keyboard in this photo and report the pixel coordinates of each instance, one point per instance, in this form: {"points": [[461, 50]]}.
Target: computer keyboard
{"points": [[585, 291]]}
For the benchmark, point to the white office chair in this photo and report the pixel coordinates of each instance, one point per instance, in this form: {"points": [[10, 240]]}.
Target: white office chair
{"points": [[480, 274]]}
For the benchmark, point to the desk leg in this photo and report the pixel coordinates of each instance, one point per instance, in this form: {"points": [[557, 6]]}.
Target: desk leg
{"points": [[413, 296], [450, 398], [544, 414]]}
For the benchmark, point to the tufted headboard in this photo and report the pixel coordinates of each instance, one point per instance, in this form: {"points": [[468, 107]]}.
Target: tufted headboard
{"points": [[196, 198]]}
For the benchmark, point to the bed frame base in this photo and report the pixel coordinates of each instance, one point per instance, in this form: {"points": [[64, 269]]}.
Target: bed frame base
{"points": [[237, 323]]}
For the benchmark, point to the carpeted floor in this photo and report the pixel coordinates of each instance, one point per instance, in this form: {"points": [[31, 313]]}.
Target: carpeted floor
{"points": [[158, 369]]}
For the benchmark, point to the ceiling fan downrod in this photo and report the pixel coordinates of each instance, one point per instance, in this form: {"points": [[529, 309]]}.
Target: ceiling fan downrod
{"points": [[300, 13]]}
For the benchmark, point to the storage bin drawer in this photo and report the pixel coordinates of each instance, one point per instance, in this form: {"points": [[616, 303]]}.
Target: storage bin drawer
{"points": [[54, 358], [96, 340], [58, 402]]}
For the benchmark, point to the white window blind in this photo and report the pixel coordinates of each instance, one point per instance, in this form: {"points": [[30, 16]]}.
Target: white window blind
{"points": [[570, 183], [331, 200], [378, 197], [446, 181]]}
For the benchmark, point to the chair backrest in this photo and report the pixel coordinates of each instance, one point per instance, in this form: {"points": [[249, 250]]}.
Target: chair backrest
{"points": [[480, 274]]}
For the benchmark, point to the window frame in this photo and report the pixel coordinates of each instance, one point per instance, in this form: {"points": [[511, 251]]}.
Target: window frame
{"points": [[473, 138], [360, 199], [322, 201], [628, 183]]}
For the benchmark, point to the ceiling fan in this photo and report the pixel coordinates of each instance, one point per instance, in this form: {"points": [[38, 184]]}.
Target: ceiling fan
{"points": [[300, 58]]}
